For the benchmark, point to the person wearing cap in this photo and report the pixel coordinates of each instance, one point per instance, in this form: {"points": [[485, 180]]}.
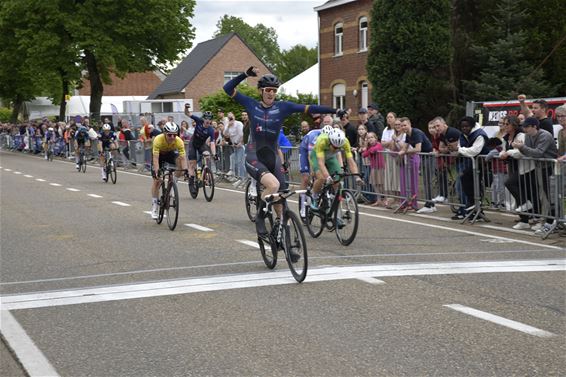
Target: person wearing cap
{"points": [[350, 130], [363, 117], [539, 144], [376, 122]]}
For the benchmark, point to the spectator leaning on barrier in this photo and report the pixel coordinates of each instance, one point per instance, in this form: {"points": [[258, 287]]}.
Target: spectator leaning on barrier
{"points": [[415, 143], [391, 185], [448, 137], [349, 129], [234, 130], [539, 143], [472, 143]]}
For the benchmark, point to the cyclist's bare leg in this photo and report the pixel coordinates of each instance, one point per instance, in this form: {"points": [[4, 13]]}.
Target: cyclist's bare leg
{"points": [[192, 167], [181, 162], [271, 186]]}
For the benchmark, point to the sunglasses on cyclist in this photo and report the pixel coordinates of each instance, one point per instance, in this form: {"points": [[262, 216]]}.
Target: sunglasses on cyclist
{"points": [[171, 135], [270, 90]]}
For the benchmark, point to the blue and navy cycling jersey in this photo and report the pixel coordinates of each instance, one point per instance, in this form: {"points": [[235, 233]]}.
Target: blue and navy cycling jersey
{"points": [[50, 136], [266, 122], [81, 133], [201, 133], [307, 144], [106, 139]]}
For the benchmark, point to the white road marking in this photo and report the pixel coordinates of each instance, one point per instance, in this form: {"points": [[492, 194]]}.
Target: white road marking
{"points": [[8, 169], [40, 180], [28, 176], [501, 321], [447, 219], [217, 283], [373, 281], [527, 232], [249, 243], [94, 196], [31, 358], [72, 189], [18, 172], [199, 227], [496, 241], [121, 204], [55, 184]]}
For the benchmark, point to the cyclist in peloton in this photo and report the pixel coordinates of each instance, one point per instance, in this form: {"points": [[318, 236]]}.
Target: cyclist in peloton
{"points": [[324, 159], [202, 134], [263, 157], [307, 144], [167, 147], [106, 139], [50, 138], [81, 140]]}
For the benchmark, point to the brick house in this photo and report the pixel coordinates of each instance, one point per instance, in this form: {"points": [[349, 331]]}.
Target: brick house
{"points": [[134, 84], [343, 51], [207, 68]]}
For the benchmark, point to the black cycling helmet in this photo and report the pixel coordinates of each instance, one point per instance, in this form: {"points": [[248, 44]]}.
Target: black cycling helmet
{"points": [[268, 81], [207, 115]]}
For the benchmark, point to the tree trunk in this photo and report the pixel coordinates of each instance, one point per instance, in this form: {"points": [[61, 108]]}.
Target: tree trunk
{"points": [[96, 87], [63, 106], [16, 110]]}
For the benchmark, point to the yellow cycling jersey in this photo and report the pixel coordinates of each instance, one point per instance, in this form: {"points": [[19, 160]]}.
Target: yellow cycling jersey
{"points": [[322, 148], [160, 145]]}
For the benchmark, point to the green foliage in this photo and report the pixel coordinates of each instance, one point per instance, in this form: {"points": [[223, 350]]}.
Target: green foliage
{"points": [[503, 67], [5, 114], [261, 39], [296, 60], [409, 58]]}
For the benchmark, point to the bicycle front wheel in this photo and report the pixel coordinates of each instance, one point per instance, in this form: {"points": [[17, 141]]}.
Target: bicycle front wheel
{"points": [[251, 203], [267, 246], [172, 205], [346, 218], [193, 187], [83, 164], [315, 222], [207, 184], [111, 172], [162, 202], [295, 247]]}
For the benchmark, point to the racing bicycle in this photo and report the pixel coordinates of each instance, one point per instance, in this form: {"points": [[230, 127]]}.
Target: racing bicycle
{"points": [[203, 178], [168, 199]]}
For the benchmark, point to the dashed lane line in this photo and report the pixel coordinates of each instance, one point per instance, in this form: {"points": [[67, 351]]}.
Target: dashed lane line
{"points": [[199, 227], [55, 184], [122, 204], [28, 176], [94, 196], [501, 321], [8, 169], [18, 172], [40, 180], [249, 243], [72, 189]]}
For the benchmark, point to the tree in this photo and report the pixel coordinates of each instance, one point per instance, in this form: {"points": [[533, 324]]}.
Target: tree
{"points": [[99, 36], [503, 68], [409, 58], [261, 39], [296, 60]]}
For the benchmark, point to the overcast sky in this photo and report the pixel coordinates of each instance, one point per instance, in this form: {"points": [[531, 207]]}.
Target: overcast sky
{"points": [[295, 21]]}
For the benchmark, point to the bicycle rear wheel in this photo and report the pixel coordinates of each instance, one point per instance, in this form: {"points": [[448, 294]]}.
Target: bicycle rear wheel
{"points": [[251, 202], [83, 164], [162, 202], [207, 184], [111, 171], [50, 155], [193, 187], [346, 218], [267, 245], [295, 247], [172, 205]]}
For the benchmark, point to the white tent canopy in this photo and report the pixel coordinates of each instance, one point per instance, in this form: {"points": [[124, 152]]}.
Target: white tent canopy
{"points": [[78, 105], [306, 82]]}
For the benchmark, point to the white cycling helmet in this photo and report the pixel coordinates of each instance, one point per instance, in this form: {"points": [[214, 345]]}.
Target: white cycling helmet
{"points": [[50, 129], [171, 128], [337, 137], [106, 127], [327, 129]]}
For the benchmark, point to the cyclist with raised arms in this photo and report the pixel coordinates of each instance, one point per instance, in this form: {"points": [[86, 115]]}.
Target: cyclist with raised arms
{"points": [[106, 140], [263, 157], [324, 160], [167, 147], [202, 134]]}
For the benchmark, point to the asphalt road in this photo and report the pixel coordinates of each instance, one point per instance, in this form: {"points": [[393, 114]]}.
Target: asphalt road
{"points": [[91, 286]]}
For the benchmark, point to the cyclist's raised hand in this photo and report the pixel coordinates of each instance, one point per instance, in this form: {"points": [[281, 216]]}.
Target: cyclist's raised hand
{"points": [[252, 71]]}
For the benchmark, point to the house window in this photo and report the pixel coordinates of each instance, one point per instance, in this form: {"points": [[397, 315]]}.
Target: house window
{"points": [[364, 94], [230, 75], [363, 35], [339, 96], [338, 39]]}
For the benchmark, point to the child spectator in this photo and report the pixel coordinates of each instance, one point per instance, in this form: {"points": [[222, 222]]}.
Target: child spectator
{"points": [[374, 152]]}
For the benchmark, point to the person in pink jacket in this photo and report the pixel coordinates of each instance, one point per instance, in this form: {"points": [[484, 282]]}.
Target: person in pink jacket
{"points": [[374, 152]]}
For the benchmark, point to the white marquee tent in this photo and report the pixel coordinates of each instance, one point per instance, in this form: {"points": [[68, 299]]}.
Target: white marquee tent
{"points": [[305, 83]]}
